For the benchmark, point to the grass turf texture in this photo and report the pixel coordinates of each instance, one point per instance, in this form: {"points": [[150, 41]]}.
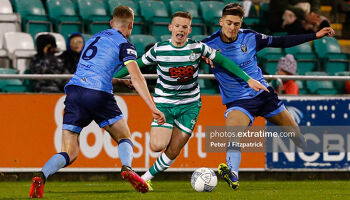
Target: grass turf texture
{"points": [[182, 190]]}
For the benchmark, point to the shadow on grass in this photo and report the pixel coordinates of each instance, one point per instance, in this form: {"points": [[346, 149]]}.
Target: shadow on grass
{"points": [[91, 191]]}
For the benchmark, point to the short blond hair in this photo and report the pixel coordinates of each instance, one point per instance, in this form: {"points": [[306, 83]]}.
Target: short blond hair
{"points": [[123, 15]]}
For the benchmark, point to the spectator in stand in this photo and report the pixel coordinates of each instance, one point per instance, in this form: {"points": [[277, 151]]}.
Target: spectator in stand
{"points": [[70, 57], [45, 62], [296, 16], [287, 66]]}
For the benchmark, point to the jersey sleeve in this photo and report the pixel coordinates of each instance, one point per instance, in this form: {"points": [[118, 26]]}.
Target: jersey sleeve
{"points": [[127, 52], [207, 51], [150, 57], [262, 41]]}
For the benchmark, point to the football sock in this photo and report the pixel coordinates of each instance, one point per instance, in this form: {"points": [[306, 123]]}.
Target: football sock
{"points": [[162, 163], [55, 163], [233, 159], [126, 151]]}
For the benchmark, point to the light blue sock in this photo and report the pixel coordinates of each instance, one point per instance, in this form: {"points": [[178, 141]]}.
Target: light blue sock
{"points": [[233, 160], [55, 163], [126, 151]]}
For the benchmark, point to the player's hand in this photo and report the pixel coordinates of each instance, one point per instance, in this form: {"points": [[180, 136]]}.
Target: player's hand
{"points": [[256, 85], [159, 116], [208, 61], [328, 31]]}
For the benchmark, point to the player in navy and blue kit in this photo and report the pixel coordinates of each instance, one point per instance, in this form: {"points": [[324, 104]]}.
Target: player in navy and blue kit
{"points": [[244, 104], [90, 97]]}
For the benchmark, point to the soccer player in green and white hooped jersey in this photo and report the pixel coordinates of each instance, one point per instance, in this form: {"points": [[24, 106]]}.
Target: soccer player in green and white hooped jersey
{"points": [[177, 92]]}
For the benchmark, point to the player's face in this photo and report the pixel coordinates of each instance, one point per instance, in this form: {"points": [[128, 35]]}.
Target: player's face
{"points": [[180, 28], [230, 25]]}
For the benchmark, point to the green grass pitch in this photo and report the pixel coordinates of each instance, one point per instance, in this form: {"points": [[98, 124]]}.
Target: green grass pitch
{"points": [[182, 190]]}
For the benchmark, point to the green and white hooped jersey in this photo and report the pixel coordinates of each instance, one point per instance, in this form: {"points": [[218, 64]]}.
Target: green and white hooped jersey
{"points": [[177, 69]]}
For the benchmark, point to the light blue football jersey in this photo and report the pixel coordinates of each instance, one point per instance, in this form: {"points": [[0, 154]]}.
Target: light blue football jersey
{"points": [[242, 52], [102, 57]]}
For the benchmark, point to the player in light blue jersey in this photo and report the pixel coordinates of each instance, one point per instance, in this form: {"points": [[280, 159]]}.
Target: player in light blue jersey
{"points": [[244, 104], [89, 97]]}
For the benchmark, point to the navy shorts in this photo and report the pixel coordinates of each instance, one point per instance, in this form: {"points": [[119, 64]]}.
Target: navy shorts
{"points": [[266, 104], [84, 105]]}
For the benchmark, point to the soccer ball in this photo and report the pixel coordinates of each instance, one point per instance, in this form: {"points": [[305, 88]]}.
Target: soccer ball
{"points": [[204, 180]]}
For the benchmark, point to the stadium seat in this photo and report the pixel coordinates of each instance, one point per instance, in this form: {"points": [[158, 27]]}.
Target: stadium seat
{"points": [[141, 41], [86, 37], [9, 22], [301, 86], [165, 37], [320, 87], [156, 15], [211, 13], [60, 41], [340, 85], [11, 85], [304, 56], [198, 26], [62, 14], [34, 18], [138, 21], [329, 52], [268, 58], [199, 37], [20, 47], [94, 15]]}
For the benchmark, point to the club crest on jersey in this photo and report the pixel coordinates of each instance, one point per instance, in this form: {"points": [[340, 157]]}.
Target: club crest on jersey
{"points": [[192, 56], [244, 48]]}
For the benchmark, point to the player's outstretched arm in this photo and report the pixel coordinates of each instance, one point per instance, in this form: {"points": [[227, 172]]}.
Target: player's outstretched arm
{"points": [[140, 85], [124, 71], [292, 40], [233, 68]]}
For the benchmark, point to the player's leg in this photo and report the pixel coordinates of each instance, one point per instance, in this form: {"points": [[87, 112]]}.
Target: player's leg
{"points": [[183, 118], [285, 119], [107, 115], [120, 132], [167, 158], [74, 119], [160, 138], [275, 112], [69, 152], [161, 134], [235, 118]]}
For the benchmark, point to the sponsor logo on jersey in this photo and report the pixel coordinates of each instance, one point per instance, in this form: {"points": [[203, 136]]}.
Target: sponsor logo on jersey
{"points": [[131, 51]]}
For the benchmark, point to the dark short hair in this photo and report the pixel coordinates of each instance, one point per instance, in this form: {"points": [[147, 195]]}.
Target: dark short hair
{"points": [[123, 13], [182, 14], [233, 9], [44, 40]]}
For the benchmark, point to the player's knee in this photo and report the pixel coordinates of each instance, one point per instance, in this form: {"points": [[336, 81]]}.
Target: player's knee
{"points": [[157, 147]]}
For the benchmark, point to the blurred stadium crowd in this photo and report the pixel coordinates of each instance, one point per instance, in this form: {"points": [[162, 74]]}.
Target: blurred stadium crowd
{"points": [[47, 36]]}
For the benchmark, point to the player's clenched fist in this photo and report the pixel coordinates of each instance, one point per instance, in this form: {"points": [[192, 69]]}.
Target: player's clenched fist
{"points": [[159, 116]]}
